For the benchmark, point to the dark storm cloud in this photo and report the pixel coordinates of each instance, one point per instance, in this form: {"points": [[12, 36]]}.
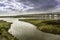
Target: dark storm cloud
{"points": [[21, 6], [40, 4], [1, 4]]}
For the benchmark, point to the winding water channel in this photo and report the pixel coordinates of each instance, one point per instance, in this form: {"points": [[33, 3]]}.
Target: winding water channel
{"points": [[26, 31]]}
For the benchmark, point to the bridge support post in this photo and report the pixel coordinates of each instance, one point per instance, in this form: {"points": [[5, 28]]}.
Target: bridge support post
{"points": [[50, 16], [55, 17]]}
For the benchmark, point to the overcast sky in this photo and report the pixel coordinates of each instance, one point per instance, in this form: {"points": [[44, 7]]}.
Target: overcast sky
{"points": [[20, 6]]}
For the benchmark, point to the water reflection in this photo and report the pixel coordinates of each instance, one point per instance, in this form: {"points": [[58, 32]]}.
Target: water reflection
{"points": [[26, 31]]}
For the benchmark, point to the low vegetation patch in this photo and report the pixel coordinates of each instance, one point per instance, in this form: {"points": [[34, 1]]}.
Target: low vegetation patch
{"points": [[48, 26], [4, 35]]}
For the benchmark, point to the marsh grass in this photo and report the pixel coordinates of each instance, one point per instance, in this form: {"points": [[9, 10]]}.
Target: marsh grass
{"points": [[48, 26], [4, 35]]}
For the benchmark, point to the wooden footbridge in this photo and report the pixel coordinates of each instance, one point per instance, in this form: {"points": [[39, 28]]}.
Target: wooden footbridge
{"points": [[43, 16]]}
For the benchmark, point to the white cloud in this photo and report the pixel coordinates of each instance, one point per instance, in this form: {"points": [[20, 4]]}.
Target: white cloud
{"points": [[14, 7]]}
